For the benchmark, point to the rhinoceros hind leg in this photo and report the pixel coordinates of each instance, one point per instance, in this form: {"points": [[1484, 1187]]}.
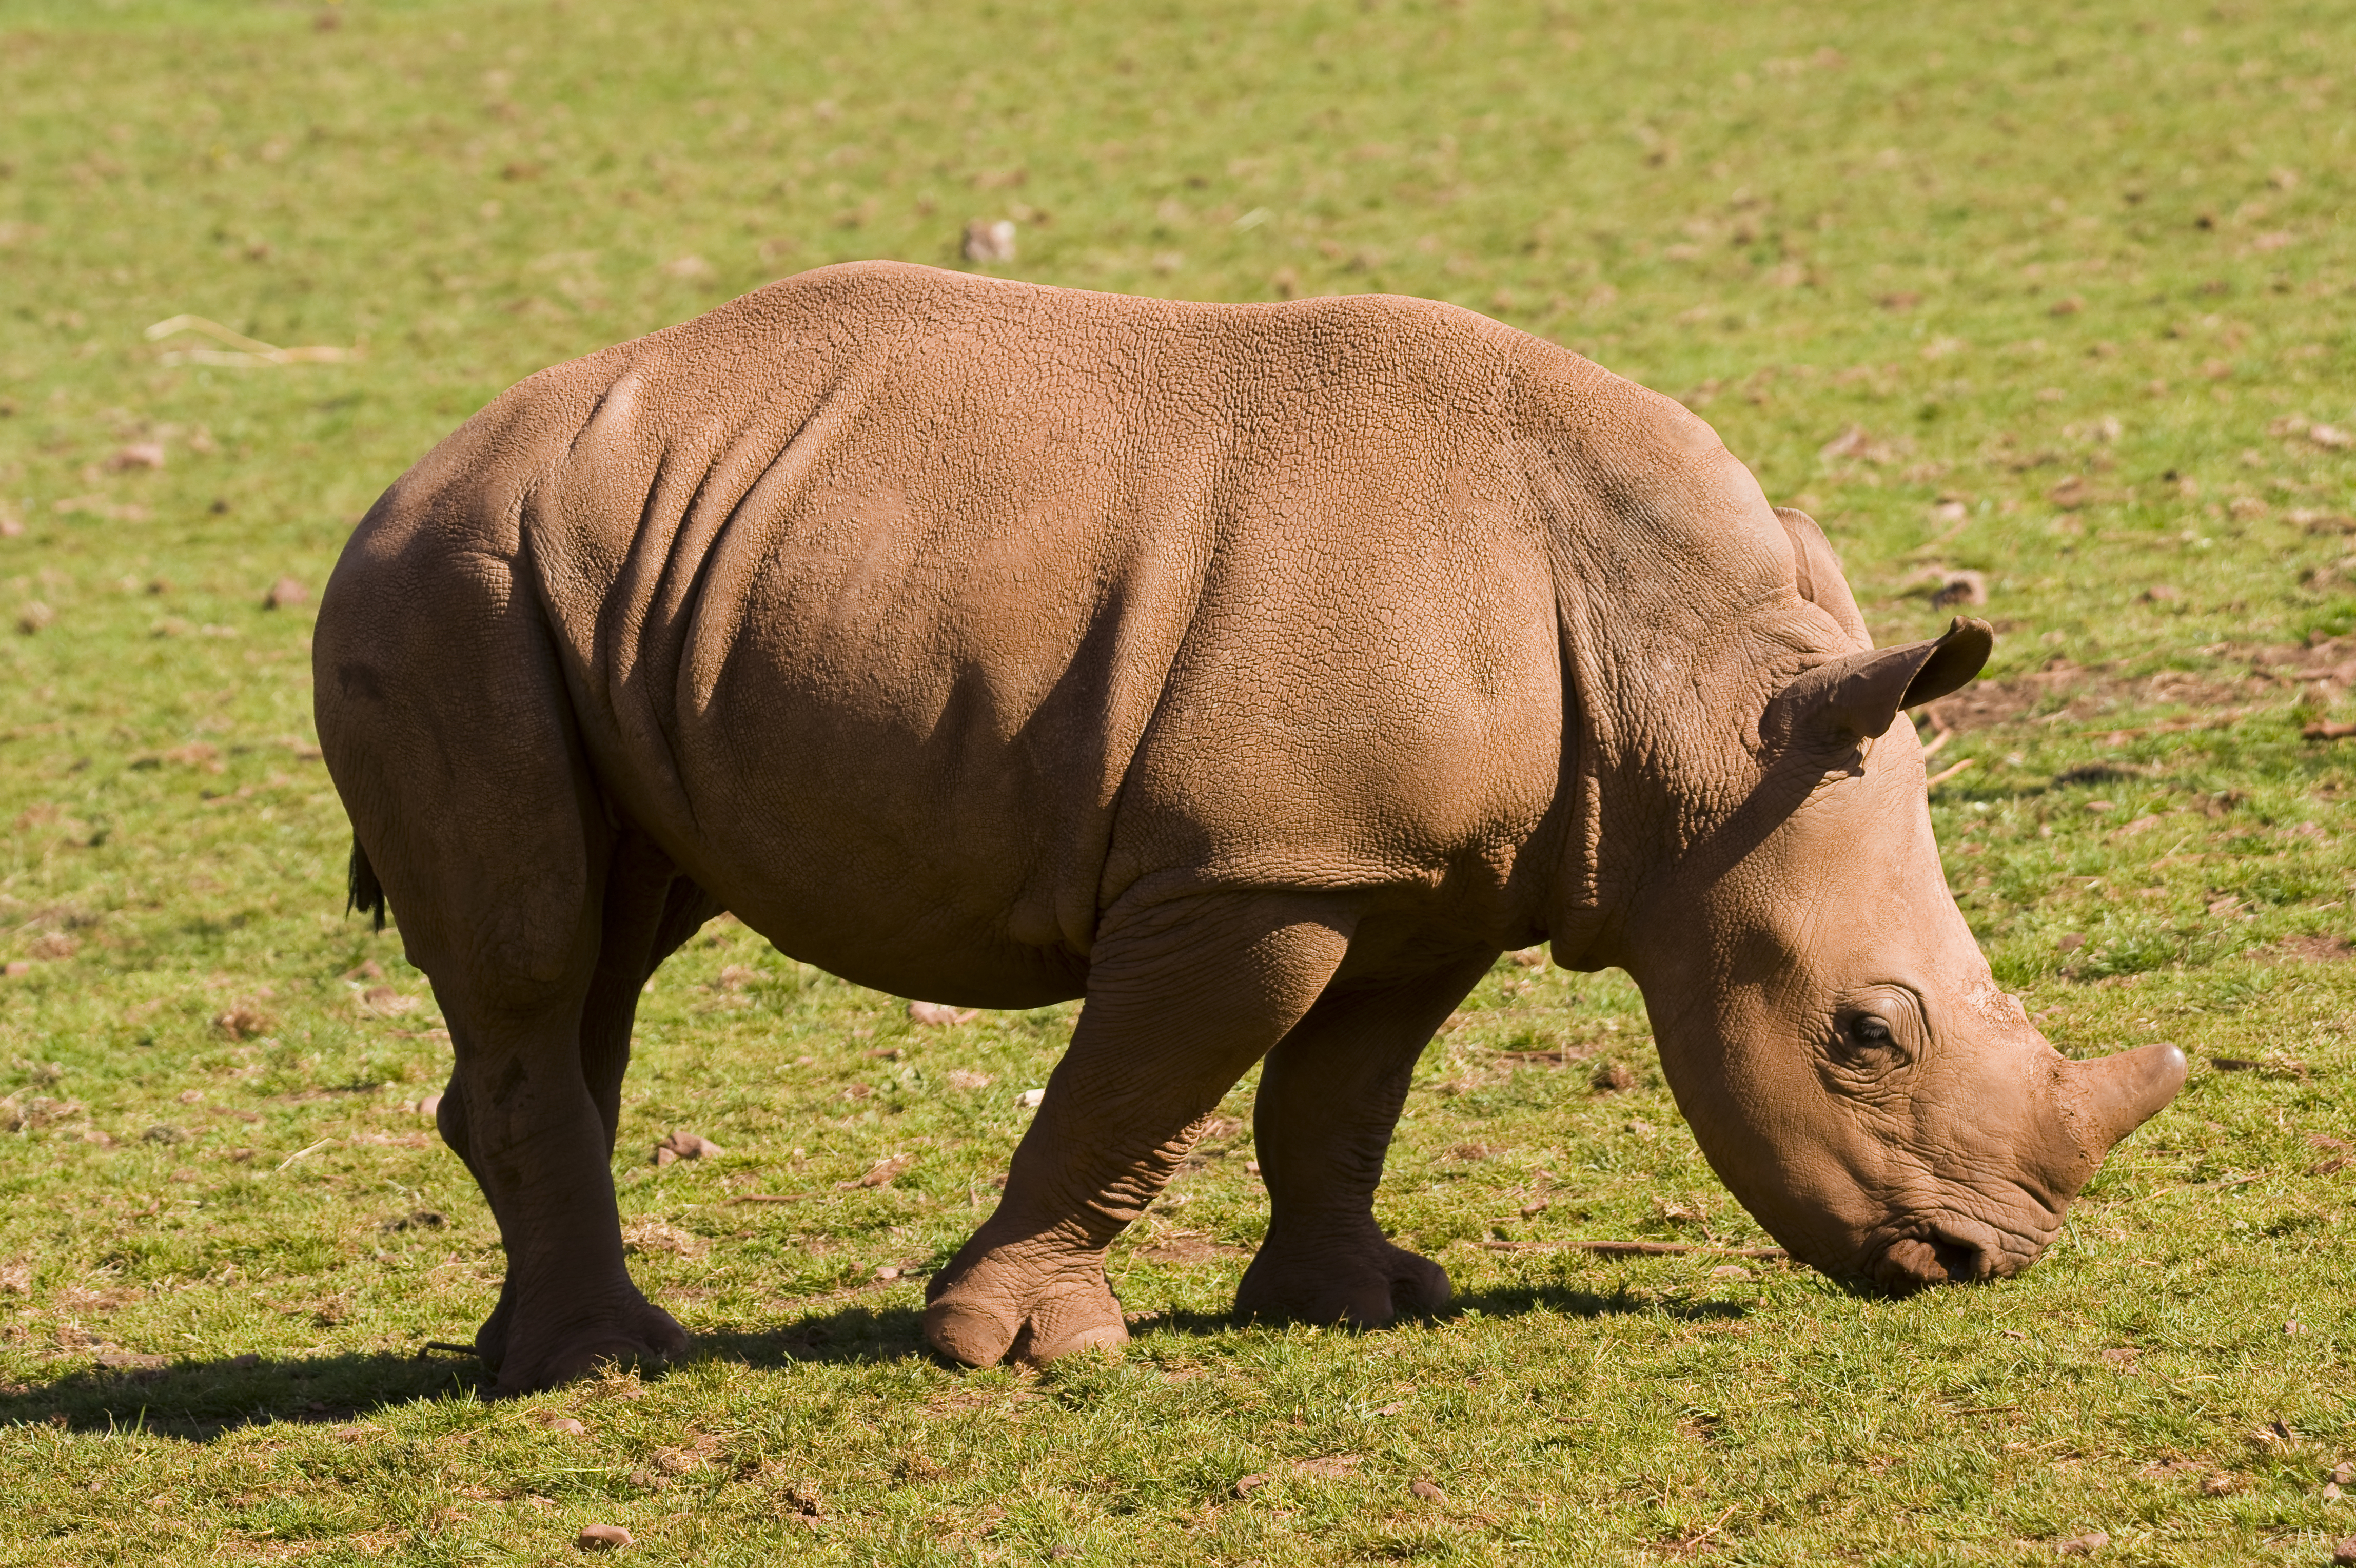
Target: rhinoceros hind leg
{"points": [[450, 738], [1183, 997], [1329, 1097], [650, 911]]}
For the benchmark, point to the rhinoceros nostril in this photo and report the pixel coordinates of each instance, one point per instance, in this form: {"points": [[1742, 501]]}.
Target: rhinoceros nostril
{"points": [[1959, 1260], [1912, 1262]]}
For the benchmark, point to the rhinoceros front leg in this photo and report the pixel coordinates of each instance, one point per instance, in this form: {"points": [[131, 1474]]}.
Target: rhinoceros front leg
{"points": [[1182, 998], [1329, 1097]]}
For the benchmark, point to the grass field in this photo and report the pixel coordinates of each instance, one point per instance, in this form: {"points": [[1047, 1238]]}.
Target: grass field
{"points": [[2057, 296]]}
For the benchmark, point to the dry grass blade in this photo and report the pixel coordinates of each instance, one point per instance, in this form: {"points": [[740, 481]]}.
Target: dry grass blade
{"points": [[243, 350]]}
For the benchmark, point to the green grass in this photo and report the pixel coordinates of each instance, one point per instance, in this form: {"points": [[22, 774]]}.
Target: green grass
{"points": [[2080, 280]]}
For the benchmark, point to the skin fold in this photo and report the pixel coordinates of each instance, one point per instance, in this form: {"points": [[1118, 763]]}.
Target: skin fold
{"points": [[1256, 673]]}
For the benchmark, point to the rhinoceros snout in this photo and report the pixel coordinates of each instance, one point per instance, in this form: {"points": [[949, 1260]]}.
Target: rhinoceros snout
{"points": [[1937, 1258]]}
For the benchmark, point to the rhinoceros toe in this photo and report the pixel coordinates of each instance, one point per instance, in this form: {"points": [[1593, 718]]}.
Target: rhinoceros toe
{"points": [[1009, 1306], [642, 1335]]}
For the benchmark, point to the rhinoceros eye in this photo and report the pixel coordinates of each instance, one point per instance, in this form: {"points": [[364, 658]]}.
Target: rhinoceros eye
{"points": [[1866, 1042], [1875, 1035]]}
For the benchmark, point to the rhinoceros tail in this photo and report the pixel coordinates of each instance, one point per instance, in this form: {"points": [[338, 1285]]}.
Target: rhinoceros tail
{"points": [[367, 894]]}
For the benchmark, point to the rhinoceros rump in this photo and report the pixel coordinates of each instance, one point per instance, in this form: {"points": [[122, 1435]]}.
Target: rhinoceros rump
{"points": [[1256, 672]]}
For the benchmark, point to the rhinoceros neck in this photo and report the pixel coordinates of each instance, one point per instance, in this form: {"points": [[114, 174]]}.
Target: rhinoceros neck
{"points": [[1678, 615]]}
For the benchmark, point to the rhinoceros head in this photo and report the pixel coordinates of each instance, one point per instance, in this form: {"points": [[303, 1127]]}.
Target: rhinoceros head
{"points": [[1829, 1025]]}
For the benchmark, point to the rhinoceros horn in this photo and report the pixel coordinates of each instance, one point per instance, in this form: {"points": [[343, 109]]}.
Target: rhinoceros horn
{"points": [[2111, 1096]]}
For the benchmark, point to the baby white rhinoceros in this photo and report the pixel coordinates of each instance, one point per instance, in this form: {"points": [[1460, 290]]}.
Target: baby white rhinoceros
{"points": [[1256, 672]]}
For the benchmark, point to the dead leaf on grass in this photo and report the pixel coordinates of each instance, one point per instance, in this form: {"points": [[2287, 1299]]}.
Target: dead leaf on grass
{"points": [[417, 1220], [2085, 1545], [988, 240], [244, 1021], [1960, 586], [653, 1235], [881, 1173], [387, 1002], [685, 1146], [933, 1016]]}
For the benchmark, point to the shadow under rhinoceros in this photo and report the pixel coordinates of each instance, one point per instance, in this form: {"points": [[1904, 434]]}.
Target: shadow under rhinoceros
{"points": [[198, 1400], [1520, 1301], [867, 1334], [848, 1334]]}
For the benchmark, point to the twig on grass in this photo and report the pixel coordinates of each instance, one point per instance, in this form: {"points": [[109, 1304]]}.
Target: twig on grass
{"points": [[2224, 720], [771, 1197], [300, 1153], [1689, 1543], [1638, 1249], [444, 1346], [1947, 772]]}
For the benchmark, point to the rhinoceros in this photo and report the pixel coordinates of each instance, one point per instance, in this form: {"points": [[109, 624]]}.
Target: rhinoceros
{"points": [[1256, 672]]}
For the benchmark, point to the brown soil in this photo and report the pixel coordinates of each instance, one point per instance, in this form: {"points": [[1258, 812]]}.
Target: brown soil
{"points": [[2315, 949]]}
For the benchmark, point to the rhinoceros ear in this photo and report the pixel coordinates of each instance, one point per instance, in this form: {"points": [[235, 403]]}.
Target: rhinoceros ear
{"points": [[1859, 697], [1817, 572]]}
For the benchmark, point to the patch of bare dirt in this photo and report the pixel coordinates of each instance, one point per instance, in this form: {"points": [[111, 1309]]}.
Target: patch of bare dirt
{"points": [[2083, 694], [2312, 950]]}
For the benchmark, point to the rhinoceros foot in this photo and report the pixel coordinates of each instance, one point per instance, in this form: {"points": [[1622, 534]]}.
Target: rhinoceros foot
{"points": [[633, 1332], [1020, 1301], [1362, 1280]]}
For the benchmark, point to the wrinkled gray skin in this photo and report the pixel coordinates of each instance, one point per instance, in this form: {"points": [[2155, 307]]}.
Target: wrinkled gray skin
{"points": [[1258, 673]]}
